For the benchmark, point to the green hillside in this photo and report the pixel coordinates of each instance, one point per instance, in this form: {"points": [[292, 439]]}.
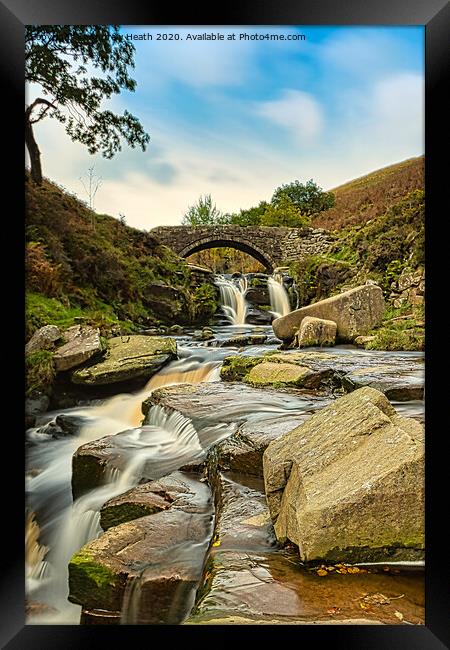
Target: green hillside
{"points": [[83, 265], [369, 196]]}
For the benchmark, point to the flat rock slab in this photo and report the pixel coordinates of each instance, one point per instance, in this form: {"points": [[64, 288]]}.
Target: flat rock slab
{"points": [[82, 343], [247, 418], [148, 568], [355, 313], [400, 376], [348, 484], [316, 331], [128, 357], [175, 491]]}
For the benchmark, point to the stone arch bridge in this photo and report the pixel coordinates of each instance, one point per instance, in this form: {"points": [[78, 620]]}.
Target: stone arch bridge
{"points": [[272, 246]]}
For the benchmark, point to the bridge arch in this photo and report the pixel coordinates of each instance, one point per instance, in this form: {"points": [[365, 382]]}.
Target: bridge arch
{"points": [[238, 244]]}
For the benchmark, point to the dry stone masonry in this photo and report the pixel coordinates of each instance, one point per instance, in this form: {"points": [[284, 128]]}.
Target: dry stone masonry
{"points": [[269, 245]]}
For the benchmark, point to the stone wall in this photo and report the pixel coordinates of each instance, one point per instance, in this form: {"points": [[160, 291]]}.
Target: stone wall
{"points": [[270, 245]]}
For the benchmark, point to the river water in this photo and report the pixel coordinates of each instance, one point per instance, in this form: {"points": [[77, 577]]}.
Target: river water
{"points": [[57, 527]]}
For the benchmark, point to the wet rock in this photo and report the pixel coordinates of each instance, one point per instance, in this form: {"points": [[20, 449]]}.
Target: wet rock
{"points": [[355, 312], [175, 490], [127, 358], [399, 376], [249, 579], [176, 329], [258, 316], [242, 340], [34, 406], [232, 442], [347, 485], [258, 295], [82, 343], [150, 567], [43, 339], [315, 332], [93, 462]]}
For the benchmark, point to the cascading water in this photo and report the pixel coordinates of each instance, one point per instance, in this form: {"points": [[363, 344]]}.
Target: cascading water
{"points": [[167, 442], [279, 299], [232, 298]]}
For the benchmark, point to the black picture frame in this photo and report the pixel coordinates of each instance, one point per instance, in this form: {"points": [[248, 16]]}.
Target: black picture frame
{"points": [[14, 14]]}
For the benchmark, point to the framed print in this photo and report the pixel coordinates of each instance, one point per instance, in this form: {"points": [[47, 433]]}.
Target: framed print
{"points": [[221, 277]]}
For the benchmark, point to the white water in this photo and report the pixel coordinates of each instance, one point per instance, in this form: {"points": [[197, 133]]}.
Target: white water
{"points": [[232, 298], [279, 299], [167, 442]]}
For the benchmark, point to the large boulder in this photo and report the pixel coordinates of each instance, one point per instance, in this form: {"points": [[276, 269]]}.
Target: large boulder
{"points": [[43, 339], [348, 484], [316, 332], [355, 313], [82, 343], [127, 358]]}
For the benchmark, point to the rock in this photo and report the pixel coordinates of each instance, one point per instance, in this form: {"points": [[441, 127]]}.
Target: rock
{"points": [[258, 295], [178, 446], [82, 343], [160, 558], [269, 373], [361, 341], [355, 313], [176, 329], [35, 406], [348, 484], [127, 358], [398, 376], [242, 340], [43, 339], [315, 331], [206, 334], [173, 490], [258, 316], [151, 331], [234, 441]]}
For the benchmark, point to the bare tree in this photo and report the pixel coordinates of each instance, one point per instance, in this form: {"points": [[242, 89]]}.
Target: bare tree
{"points": [[91, 187]]}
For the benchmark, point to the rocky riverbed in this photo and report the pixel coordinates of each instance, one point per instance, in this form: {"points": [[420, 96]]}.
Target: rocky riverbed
{"points": [[159, 509]]}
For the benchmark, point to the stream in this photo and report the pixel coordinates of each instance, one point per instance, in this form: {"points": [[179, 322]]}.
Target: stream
{"points": [[57, 527]]}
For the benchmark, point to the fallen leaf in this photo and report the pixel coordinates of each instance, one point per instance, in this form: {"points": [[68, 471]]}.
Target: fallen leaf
{"points": [[399, 615], [333, 610], [322, 572], [376, 599]]}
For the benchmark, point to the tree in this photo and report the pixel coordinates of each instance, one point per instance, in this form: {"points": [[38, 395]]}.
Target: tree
{"points": [[308, 197], [57, 58], [91, 186], [251, 216], [284, 213], [204, 213]]}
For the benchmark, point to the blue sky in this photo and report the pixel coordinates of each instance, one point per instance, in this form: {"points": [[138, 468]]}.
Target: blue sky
{"points": [[236, 119]]}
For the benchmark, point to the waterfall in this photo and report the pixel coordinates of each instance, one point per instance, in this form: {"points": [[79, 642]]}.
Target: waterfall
{"points": [[167, 442], [279, 299], [232, 297]]}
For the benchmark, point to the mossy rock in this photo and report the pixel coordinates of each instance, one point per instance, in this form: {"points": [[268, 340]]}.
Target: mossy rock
{"points": [[128, 357]]}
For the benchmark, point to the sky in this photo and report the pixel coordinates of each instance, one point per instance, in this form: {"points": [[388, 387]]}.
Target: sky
{"points": [[238, 118]]}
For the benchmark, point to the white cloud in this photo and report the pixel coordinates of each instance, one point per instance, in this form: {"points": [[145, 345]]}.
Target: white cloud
{"points": [[298, 112]]}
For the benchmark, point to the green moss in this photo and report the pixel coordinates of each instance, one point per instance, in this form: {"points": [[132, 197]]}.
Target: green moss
{"points": [[237, 368], [401, 329], [98, 573], [40, 372], [92, 584]]}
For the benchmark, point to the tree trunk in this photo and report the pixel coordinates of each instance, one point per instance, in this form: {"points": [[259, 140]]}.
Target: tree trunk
{"points": [[33, 150]]}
